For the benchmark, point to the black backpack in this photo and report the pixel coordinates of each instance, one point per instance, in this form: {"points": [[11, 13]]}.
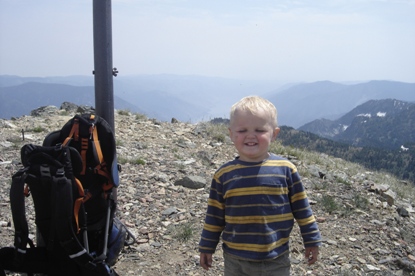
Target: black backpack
{"points": [[72, 179]]}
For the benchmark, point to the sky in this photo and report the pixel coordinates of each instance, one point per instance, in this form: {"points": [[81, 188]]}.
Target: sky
{"points": [[299, 40]]}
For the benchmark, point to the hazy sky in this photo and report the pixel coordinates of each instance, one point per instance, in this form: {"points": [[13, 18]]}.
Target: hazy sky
{"points": [[337, 40]]}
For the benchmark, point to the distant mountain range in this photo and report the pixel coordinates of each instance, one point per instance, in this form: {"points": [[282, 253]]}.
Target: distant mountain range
{"points": [[198, 98], [21, 99], [303, 103], [387, 124], [371, 123], [186, 98]]}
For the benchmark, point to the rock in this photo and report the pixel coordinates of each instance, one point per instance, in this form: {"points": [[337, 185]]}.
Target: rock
{"points": [[44, 111], [169, 211], [403, 212], [85, 109], [6, 144], [69, 107], [378, 188], [321, 219], [372, 268], [7, 124], [314, 170], [191, 182], [390, 197]]}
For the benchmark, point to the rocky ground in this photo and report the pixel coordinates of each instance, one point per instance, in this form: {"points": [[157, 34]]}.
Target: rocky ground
{"points": [[368, 225]]}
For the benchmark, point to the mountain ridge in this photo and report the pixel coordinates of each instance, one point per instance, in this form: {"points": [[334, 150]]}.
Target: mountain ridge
{"points": [[330, 100], [198, 98], [20, 99], [386, 123]]}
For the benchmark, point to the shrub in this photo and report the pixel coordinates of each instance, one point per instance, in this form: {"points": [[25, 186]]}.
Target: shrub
{"points": [[360, 202], [124, 112], [329, 204], [38, 129], [183, 232]]}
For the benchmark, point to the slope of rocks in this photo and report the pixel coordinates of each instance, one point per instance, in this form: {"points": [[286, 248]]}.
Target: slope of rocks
{"points": [[368, 226]]}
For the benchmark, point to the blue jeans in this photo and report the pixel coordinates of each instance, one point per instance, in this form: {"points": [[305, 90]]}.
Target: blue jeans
{"points": [[279, 266]]}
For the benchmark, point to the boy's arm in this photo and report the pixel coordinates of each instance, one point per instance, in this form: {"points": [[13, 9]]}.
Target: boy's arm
{"points": [[304, 216], [206, 260], [214, 221]]}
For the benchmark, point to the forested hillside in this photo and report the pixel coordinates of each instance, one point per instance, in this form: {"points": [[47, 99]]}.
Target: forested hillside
{"points": [[400, 163]]}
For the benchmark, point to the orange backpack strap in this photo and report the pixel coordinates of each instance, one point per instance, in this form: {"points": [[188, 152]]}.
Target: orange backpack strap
{"points": [[74, 132], [78, 202], [101, 168], [84, 148], [26, 191], [97, 145]]}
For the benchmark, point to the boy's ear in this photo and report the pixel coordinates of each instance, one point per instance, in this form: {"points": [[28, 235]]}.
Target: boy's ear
{"points": [[275, 134], [230, 134]]}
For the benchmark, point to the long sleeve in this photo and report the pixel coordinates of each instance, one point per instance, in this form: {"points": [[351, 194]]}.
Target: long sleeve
{"points": [[215, 219], [302, 211]]}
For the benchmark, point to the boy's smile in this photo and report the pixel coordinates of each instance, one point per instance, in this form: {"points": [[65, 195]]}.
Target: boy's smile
{"points": [[252, 134]]}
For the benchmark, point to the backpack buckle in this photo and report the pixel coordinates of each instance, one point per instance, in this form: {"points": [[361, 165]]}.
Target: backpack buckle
{"points": [[60, 172], [44, 171], [58, 147]]}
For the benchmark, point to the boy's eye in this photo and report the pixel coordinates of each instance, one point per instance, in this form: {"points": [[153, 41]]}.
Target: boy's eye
{"points": [[260, 130], [241, 131]]}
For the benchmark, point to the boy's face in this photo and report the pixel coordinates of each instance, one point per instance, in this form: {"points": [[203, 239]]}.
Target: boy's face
{"points": [[252, 135]]}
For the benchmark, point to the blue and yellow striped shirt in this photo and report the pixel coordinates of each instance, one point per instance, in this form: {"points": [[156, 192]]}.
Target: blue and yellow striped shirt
{"points": [[253, 206]]}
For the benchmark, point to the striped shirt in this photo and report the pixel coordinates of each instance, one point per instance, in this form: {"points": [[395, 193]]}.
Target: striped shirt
{"points": [[253, 206]]}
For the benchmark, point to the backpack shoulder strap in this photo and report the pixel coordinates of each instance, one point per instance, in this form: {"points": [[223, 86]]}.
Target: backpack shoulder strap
{"points": [[101, 167], [17, 203], [63, 222], [74, 133], [109, 162]]}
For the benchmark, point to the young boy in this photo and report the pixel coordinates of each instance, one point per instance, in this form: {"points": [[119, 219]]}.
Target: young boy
{"points": [[255, 198]]}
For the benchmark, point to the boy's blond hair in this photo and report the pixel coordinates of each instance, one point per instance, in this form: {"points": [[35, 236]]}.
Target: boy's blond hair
{"points": [[253, 104]]}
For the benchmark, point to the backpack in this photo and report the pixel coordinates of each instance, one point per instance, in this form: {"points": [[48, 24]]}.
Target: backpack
{"points": [[72, 179]]}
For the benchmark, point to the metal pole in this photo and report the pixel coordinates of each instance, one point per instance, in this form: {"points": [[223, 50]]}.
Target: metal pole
{"points": [[103, 70]]}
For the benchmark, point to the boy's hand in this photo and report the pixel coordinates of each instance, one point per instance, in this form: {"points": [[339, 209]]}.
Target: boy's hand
{"points": [[206, 260], [311, 254]]}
